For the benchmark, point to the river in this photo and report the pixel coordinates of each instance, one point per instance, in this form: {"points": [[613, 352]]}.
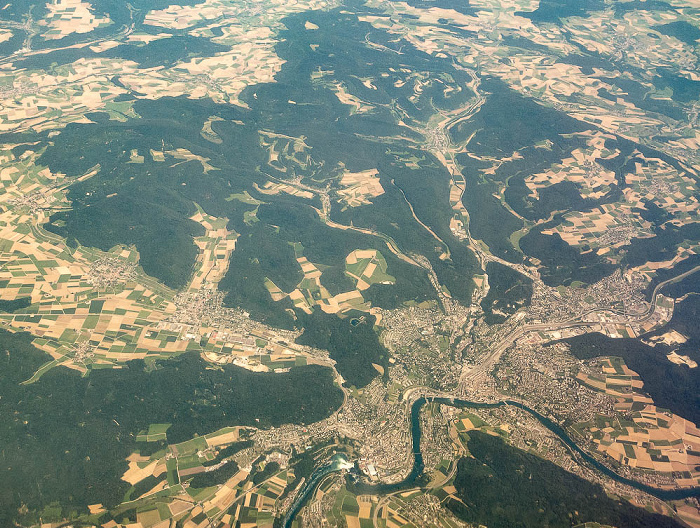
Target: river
{"points": [[411, 480], [336, 463]]}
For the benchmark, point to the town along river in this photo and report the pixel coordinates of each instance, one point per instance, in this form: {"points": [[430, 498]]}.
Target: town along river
{"points": [[410, 481], [413, 479]]}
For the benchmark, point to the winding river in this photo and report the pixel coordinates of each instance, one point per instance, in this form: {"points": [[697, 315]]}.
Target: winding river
{"points": [[411, 480]]}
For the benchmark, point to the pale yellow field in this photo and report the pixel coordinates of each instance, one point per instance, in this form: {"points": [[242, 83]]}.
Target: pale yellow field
{"points": [[581, 168], [311, 293], [70, 16], [86, 295], [611, 226], [136, 473], [679, 359], [673, 437], [215, 248], [277, 188], [345, 97], [359, 187]]}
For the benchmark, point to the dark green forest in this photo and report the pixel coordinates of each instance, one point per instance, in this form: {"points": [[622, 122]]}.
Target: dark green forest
{"points": [[505, 487], [65, 438]]}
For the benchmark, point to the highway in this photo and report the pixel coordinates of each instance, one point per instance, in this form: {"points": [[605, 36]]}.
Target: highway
{"points": [[474, 374]]}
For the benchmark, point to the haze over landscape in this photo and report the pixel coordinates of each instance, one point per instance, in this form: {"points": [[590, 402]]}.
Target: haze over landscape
{"points": [[344, 263]]}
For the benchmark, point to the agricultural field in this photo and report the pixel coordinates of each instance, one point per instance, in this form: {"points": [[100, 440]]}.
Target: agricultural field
{"points": [[240, 238], [71, 16], [360, 187], [201, 477], [92, 309], [364, 267], [641, 436]]}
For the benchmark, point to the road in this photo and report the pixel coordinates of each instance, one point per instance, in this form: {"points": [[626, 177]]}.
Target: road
{"points": [[475, 374]]}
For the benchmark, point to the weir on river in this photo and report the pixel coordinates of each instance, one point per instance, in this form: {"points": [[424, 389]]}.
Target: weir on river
{"points": [[337, 463]]}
